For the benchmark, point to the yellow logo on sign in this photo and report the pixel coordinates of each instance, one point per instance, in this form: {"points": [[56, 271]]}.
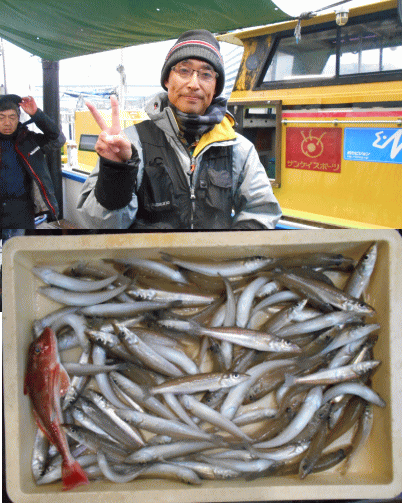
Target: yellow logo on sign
{"points": [[312, 146]]}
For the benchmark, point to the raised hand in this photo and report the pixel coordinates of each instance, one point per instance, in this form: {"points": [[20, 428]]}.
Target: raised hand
{"points": [[28, 104], [112, 142]]}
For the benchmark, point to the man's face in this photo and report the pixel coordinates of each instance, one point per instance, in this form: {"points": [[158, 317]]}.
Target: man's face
{"points": [[191, 95], [8, 121]]}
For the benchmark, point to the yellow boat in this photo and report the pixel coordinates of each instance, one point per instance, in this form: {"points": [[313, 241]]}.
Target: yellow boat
{"points": [[323, 107]]}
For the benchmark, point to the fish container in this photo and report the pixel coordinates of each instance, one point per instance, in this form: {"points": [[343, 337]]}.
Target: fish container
{"points": [[376, 471]]}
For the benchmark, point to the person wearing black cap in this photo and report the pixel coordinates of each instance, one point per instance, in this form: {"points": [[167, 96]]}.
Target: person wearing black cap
{"points": [[185, 167], [25, 184]]}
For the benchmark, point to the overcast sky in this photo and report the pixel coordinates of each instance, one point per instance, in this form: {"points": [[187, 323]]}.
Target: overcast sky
{"points": [[142, 63]]}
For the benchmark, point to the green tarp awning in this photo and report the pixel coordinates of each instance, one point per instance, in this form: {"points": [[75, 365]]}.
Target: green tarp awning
{"points": [[55, 29]]}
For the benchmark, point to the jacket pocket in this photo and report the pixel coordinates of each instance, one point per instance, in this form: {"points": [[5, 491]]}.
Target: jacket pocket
{"points": [[218, 189], [157, 187]]}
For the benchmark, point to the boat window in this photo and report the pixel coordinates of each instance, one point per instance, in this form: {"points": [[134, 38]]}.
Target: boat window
{"points": [[87, 142], [370, 44], [262, 125], [312, 57], [375, 46]]}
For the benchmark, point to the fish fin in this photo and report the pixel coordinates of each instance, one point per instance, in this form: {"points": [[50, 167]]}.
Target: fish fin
{"points": [[73, 475], [166, 256], [289, 380], [41, 426], [196, 328], [147, 389], [27, 383], [64, 380]]}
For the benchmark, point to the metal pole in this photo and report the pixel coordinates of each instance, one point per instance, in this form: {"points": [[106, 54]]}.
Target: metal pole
{"points": [[4, 65], [51, 107]]}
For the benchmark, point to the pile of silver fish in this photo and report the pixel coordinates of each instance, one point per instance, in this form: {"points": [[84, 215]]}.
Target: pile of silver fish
{"points": [[194, 370]]}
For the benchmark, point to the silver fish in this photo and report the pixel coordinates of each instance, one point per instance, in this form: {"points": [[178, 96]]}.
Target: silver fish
{"points": [[200, 382], [88, 369], [133, 437], [209, 471], [228, 268], [95, 442], [185, 299], [54, 474], [118, 309], [99, 358], [77, 383], [284, 316], [145, 353], [154, 424], [150, 403], [246, 299], [171, 471], [248, 338], [354, 388], [39, 455], [311, 404], [114, 476], [84, 420], [80, 298], [324, 294], [334, 375], [54, 278], [48, 320], [362, 433], [167, 451], [153, 267], [318, 260], [211, 416], [360, 278], [350, 334]]}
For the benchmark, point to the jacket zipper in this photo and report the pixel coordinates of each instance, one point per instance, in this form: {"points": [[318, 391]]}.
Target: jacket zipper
{"points": [[192, 192]]}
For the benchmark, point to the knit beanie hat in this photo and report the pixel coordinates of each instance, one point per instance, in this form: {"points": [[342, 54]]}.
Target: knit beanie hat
{"points": [[196, 44], [10, 102]]}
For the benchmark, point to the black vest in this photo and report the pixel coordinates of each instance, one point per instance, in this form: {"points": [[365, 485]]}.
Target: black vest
{"points": [[165, 199]]}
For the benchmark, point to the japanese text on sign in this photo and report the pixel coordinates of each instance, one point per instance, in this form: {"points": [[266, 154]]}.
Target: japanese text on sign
{"points": [[373, 145]]}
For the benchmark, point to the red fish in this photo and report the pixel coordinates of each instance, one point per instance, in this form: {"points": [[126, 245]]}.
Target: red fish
{"points": [[45, 382]]}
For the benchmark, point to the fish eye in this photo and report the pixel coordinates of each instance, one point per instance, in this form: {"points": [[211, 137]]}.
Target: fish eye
{"points": [[38, 349]]}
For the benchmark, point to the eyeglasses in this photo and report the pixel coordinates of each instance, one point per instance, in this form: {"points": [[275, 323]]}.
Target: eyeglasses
{"points": [[186, 73]]}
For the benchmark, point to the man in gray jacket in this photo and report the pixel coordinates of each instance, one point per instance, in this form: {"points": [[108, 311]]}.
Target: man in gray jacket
{"points": [[185, 167]]}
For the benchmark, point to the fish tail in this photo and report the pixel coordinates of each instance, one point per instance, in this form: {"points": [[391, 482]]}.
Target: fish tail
{"points": [[73, 475]]}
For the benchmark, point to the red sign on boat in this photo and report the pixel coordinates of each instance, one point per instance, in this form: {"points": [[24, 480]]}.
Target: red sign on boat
{"points": [[315, 149]]}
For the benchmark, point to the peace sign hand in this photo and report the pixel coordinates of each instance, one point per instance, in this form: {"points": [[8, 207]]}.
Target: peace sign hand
{"points": [[112, 143]]}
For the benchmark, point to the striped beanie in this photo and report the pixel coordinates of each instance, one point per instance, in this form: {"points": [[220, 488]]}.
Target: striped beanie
{"points": [[196, 44]]}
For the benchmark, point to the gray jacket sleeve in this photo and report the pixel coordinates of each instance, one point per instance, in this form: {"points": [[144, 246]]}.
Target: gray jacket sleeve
{"points": [[97, 216], [255, 203]]}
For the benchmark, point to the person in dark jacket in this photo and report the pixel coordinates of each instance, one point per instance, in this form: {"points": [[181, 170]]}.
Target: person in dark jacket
{"points": [[186, 167], [26, 187]]}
